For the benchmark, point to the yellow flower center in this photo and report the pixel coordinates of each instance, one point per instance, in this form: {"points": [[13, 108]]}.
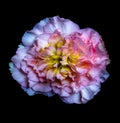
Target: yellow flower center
{"points": [[60, 57]]}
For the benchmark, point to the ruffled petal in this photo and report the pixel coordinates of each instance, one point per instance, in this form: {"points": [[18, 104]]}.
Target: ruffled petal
{"points": [[20, 54], [74, 98], [29, 91], [28, 38], [42, 87], [42, 41], [65, 26], [19, 76], [33, 76]]}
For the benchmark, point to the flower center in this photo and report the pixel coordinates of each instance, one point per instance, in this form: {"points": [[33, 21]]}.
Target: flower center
{"points": [[60, 57]]}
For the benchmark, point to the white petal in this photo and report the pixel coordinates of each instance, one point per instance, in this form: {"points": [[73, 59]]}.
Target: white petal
{"points": [[104, 76], [95, 88], [86, 94], [65, 25], [44, 22], [28, 38], [75, 98], [29, 91], [64, 93], [49, 28]]}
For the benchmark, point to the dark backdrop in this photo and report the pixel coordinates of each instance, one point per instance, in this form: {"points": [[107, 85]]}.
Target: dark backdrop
{"points": [[21, 17]]}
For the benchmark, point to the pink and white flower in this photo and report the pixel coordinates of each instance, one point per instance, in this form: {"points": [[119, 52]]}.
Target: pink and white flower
{"points": [[57, 57]]}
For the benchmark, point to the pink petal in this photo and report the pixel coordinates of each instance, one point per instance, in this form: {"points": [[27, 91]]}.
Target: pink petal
{"points": [[50, 75], [19, 76], [81, 70], [33, 76], [42, 87], [59, 76], [20, 54], [89, 35], [24, 67], [42, 66], [56, 90], [42, 40], [65, 26], [94, 72], [68, 89]]}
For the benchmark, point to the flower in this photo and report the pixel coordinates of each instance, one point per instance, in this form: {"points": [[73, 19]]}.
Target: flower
{"points": [[57, 57]]}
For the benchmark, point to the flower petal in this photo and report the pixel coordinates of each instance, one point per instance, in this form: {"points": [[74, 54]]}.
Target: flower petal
{"points": [[65, 26], [74, 98], [64, 93], [28, 38], [19, 76], [42, 87], [95, 88], [42, 41], [86, 94], [20, 54], [29, 91], [33, 76], [104, 75]]}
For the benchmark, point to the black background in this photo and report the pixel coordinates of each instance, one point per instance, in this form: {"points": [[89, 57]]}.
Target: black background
{"points": [[21, 17]]}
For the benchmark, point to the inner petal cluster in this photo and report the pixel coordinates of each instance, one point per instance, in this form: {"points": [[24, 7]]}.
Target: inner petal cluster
{"points": [[57, 59]]}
